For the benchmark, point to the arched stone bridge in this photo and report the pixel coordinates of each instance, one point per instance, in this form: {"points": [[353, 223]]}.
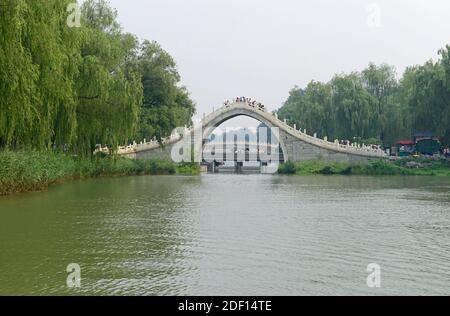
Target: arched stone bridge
{"points": [[296, 145]]}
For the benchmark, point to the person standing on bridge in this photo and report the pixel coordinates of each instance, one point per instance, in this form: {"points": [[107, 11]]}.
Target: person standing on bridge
{"points": [[447, 152]]}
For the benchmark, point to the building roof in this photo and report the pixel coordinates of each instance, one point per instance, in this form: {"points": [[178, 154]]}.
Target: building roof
{"points": [[424, 134], [405, 142]]}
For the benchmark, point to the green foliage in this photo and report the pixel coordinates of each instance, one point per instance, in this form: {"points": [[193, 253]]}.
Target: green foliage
{"points": [[374, 168], [38, 65], [373, 106], [34, 170], [73, 88], [320, 167], [22, 171], [381, 167], [166, 105], [352, 106], [381, 83], [159, 167], [188, 168], [109, 91], [287, 168], [429, 167], [429, 96]]}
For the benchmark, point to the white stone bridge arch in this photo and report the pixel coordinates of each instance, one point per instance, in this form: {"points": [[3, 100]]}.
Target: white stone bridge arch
{"points": [[228, 112], [296, 144]]}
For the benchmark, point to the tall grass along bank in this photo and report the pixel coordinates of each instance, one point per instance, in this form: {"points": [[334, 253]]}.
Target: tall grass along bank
{"points": [[22, 171], [419, 167]]}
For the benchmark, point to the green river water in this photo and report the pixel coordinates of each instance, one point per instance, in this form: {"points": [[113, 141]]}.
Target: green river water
{"points": [[229, 235]]}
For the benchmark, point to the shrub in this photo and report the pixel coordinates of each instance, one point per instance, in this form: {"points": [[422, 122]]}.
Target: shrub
{"points": [[188, 168], [287, 168], [22, 171], [328, 170], [160, 167], [380, 167], [31, 170]]}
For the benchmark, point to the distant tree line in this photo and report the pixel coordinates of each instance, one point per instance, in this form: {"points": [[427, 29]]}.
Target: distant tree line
{"points": [[374, 106], [71, 88]]}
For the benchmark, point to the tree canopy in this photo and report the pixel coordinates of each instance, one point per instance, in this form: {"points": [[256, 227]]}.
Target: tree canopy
{"points": [[166, 105], [374, 106], [74, 87]]}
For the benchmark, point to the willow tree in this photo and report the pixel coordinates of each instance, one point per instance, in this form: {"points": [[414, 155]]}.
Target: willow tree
{"points": [[108, 88], [444, 126], [319, 111], [311, 108], [352, 107], [374, 105], [381, 83], [294, 107], [38, 63], [166, 105], [75, 87], [18, 75], [428, 96]]}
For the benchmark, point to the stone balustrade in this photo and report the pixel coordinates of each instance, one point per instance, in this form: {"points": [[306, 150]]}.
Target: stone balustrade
{"points": [[361, 150]]}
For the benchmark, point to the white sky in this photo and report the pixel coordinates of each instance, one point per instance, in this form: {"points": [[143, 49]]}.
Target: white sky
{"points": [[263, 48]]}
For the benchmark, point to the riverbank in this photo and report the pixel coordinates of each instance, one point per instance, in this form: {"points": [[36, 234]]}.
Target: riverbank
{"points": [[406, 167], [23, 171]]}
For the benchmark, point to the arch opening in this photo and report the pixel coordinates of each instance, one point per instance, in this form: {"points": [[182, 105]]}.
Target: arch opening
{"points": [[242, 143]]}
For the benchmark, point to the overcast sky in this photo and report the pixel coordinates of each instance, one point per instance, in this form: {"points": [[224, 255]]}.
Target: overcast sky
{"points": [[263, 48]]}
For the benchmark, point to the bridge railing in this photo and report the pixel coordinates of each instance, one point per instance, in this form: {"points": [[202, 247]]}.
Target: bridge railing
{"points": [[358, 149]]}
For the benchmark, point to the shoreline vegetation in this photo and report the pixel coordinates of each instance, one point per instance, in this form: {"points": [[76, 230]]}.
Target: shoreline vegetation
{"points": [[376, 105], [26, 171], [72, 87], [401, 167], [68, 89]]}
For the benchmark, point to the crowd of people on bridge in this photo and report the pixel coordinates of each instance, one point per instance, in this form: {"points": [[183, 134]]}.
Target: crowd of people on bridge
{"points": [[345, 142], [446, 152], [349, 143], [249, 101], [260, 106]]}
